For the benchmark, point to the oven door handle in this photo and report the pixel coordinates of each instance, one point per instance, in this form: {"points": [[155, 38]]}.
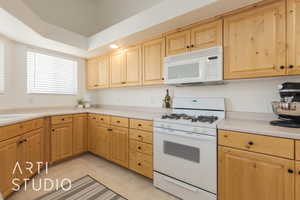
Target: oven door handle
{"points": [[183, 185], [184, 134]]}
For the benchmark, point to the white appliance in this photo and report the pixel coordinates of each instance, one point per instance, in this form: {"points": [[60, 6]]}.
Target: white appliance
{"points": [[185, 148], [202, 66]]}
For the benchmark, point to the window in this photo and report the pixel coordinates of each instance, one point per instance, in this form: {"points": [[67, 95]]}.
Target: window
{"points": [[50, 74], [1, 68]]}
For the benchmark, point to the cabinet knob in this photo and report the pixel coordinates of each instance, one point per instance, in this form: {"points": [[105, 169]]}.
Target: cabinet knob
{"points": [[118, 121], [282, 67], [290, 171], [139, 136], [188, 47], [251, 143], [192, 46], [139, 148], [162, 78], [299, 172], [63, 119], [101, 119], [109, 129], [139, 164], [291, 66], [53, 130], [139, 124]]}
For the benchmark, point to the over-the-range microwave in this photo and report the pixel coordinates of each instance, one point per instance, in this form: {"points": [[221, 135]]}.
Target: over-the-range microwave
{"points": [[202, 66]]}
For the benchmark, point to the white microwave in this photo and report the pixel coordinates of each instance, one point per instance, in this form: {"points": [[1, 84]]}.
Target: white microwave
{"points": [[200, 66]]}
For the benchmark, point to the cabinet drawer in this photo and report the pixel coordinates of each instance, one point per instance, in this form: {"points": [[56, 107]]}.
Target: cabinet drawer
{"points": [[298, 150], [144, 125], [141, 163], [61, 119], [257, 143], [103, 119], [136, 146], [119, 121], [141, 136], [10, 131]]}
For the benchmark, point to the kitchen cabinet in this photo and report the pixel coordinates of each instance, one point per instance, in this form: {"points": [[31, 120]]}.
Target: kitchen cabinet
{"points": [[247, 175], [199, 37], [293, 38], [80, 133], [92, 133], [119, 145], [98, 72], [133, 65], [117, 69], [298, 150], [153, 59], [61, 141], [255, 42], [92, 73], [102, 138], [297, 180], [8, 157]]}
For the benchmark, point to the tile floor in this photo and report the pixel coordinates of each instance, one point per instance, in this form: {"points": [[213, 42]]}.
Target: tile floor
{"points": [[129, 184]]}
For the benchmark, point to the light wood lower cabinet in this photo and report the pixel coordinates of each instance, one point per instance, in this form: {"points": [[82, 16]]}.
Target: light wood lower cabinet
{"points": [[102, 140], [61, 141], [297, 180], [119, 145], [247, 176], [80, 133], [8, 157], [92, 133]]}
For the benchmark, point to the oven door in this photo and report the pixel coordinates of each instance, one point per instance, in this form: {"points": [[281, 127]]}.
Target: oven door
{"points": [[188, 157]]}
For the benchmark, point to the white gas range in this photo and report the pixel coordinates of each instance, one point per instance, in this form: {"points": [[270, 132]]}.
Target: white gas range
{"points": [[185, 148]]}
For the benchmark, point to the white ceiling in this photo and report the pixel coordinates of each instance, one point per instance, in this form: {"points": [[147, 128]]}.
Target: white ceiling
{"points": [[87, 17]]}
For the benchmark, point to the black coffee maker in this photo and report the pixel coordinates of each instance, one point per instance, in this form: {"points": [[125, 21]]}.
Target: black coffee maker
{"points": [[288, 108]]}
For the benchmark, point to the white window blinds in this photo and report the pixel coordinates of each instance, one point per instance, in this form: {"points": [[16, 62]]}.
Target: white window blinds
{"points": [[50, 75], [2, 77]]}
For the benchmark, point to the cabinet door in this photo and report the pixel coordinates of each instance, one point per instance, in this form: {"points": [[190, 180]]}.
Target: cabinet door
{"points": [[32, 153], [247, 176], [103, 72], [79, 134], [297, 180], [117, 74], [206, 35], [119, 145], [91, 134], [153, 59], [103, 142], [133, 65], [61, 142], [254, 42], [92, 73], [178, 42], [8, 157], [293, 37]]}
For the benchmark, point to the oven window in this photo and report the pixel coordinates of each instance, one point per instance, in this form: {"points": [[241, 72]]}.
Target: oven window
{"points": [[182, 151]]}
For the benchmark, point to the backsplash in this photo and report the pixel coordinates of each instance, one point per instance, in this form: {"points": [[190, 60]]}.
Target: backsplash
{"points": [[241, 95]]}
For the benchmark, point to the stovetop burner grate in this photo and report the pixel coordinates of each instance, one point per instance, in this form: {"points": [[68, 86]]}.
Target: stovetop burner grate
{"points": [[200, 118]]}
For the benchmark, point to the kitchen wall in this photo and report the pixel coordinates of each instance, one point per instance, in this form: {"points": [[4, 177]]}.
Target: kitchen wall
{"points": [[15, 95], [241, 95]]}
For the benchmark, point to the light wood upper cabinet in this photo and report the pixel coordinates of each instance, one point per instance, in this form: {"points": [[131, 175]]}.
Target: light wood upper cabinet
{"points": [[92, 73], [178, 42], [293, 37], [207, 35], [153, 57], [61, 141], [8, 157], [133, 65], [80, 126], [199, 37], [297, 180], [255, 42], [117, 70], [247, 176], [119, 145]]}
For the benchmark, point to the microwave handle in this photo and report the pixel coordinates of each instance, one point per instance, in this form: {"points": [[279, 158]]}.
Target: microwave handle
{"points": [[185, 186], [184, 134]]}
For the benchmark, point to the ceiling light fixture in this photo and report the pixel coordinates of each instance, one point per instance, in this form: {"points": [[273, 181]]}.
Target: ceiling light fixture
{"points": [[114, 46]]}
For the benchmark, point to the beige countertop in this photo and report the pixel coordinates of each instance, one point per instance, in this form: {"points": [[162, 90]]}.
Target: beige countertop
{"points": [[257, 124], [130, 112]]}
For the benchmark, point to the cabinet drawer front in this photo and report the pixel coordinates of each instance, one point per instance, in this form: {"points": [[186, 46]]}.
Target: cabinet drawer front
{"points": [[105, 119], [298, 150], [11, 131], [136, 146], [257, 143], [141, 136], [141, 163], [144, 125], [119, 121], [61, 119]]}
